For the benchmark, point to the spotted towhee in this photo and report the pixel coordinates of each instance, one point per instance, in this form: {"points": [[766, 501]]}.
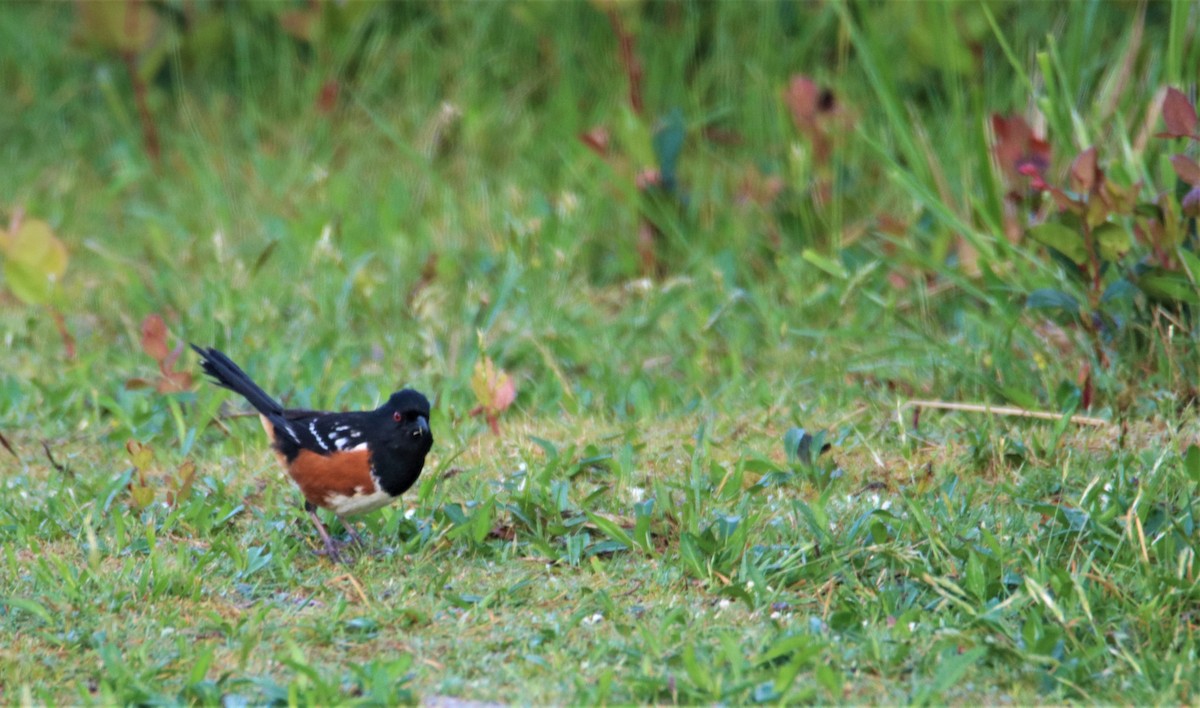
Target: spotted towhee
{"points": [[348, 463]]}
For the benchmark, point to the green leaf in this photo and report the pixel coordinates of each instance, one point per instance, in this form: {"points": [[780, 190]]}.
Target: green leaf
{"points": [[1051, 299], [35, 261], [141, 497], [119, 27], [1119, 291], [33, 607], [1191, 463], [825, 263], [1191, 263], [952, 669], [830, 679], [1018, 396], [695, 672], [726, 526], [27, 283], [1168, 286], [641, 530], [693, 557], [481, 520], [668, 145], [611, 529], [200, 663], [976, 581], [1062, 239], [1113, 241], [793, 440], [795, 648], [1172, 220]]}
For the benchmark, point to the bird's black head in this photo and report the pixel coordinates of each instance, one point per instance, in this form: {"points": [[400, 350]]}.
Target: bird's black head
{"points": [[406, 416]]}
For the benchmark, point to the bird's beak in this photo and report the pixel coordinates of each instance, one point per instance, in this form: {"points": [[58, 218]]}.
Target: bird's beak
{"points": [[422, 427]]}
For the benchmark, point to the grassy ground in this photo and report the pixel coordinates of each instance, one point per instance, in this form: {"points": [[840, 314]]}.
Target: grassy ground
{"points": [[642, 528]]}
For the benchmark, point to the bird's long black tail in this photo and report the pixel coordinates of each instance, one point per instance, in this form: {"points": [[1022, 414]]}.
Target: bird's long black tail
{"points": [[228, 374]]}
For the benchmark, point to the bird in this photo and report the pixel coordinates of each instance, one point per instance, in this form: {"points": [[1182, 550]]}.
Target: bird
{"points": [[348, 463]]}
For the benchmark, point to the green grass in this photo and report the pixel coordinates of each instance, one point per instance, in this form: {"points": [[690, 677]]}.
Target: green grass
{"points": [[638, 531]]}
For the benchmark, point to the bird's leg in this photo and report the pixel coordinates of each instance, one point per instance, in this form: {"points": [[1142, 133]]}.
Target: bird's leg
{"points": [[330, 549], [350, 530]]}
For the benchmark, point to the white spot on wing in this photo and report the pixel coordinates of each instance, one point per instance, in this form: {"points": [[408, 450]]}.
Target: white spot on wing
{"points": [[360, 446], [312, 428]]}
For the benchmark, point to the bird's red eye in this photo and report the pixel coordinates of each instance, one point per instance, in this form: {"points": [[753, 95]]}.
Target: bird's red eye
{"points": [[397, 416]]}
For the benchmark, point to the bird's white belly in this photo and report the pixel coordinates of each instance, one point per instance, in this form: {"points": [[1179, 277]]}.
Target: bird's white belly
{"points": [[343, 505]]}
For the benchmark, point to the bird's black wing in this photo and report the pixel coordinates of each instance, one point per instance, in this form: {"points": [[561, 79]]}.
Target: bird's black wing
{"points": [[327, 433]]}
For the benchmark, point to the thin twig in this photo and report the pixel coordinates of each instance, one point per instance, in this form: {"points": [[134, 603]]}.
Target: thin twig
{"points": [[358, 588], [8, 446], [62, 469], [60, 323], [1006, 410], [629, 60], [129, 56]]}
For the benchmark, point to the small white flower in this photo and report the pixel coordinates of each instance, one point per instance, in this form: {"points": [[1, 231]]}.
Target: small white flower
{"points": [[594, 619], [324, 247], [218, 239], [568, 202], [641, 285]]}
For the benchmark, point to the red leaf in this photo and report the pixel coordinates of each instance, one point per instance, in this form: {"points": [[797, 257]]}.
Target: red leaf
{"points": [[327, 97], [168, 363], [174, 382], [647, 179], [1191, 203], [596, 139], [1064, 202], [301, 24], [494, 389], [1187, 169], [187, 475], [504, 394], [722, 136], [811, 107], [1018, 151], [1083, 171], [1179, 114], [802, 99], [154, 337]]}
